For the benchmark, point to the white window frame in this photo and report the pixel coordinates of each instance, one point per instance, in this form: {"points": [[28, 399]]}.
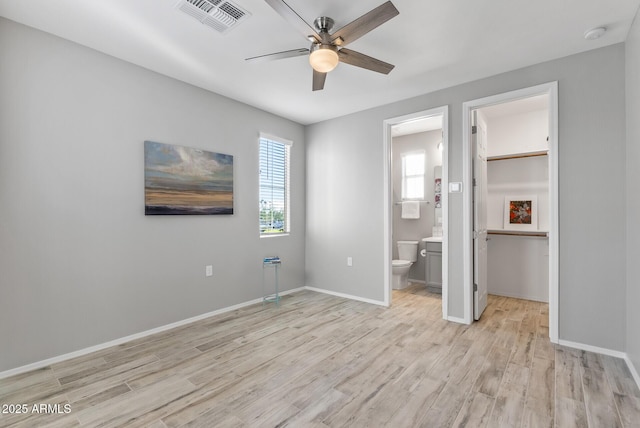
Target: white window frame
{"points": [[287, 187], [406, 177]]}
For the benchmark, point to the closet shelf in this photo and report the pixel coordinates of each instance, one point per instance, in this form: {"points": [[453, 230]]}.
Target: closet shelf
{"points": [[540, 233], [518, 155]]}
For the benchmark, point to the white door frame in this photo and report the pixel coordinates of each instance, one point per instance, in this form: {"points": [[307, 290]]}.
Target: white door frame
{"points": [[388, 194], [550, 89]]}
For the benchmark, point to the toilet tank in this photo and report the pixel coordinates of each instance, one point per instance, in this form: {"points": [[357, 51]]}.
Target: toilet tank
{"points": [[408, 250]]}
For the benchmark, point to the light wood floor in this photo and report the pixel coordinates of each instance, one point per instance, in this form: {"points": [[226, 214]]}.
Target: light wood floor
{"points": [[323, 361]]}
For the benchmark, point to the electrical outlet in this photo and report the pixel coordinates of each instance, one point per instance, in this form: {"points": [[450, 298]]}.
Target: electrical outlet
{"points": [[349, 261], [208, 270]]}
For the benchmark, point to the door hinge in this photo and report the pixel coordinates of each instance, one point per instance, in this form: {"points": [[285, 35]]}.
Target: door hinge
{"points": [[475, 287], [475, 183], [474, 129]]}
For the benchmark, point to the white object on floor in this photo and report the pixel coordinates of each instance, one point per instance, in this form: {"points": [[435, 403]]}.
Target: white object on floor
{"points": [[400, 277], [408, 253]]}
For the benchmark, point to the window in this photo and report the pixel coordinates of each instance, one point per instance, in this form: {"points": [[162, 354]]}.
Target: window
{"points": [[413, 175], [274, 186]]}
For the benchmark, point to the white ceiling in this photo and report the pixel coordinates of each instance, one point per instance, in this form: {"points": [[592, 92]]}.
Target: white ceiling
{"points": [[433, 44]]}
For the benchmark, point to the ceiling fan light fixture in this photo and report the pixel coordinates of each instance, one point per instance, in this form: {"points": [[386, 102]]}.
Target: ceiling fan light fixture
{"points": [[323, 58]]}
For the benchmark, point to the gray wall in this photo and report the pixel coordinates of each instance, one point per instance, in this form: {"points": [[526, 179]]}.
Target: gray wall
{"points": [[410, 229], [345, 204], [80, 264], [633, 196]]}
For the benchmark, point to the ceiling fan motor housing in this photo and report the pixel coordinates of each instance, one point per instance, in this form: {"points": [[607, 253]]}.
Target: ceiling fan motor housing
{"points": [[323, 24]]}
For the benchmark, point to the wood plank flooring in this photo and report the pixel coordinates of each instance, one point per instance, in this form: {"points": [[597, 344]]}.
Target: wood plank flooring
{"points": [[323, 361]]}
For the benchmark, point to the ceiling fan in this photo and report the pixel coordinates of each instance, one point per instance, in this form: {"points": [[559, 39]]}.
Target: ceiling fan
{"points": [[327, 49]]}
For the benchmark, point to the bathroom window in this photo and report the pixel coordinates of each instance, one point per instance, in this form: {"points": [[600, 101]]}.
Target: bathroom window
{"points": [[413, 175], [274, 185]]}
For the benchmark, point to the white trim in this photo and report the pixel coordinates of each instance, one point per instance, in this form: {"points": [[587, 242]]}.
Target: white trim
{"points": [[590, 348], [85, 351], [276, 139], [456, 319], [388, 203], [605, 351], [520, 296], [288, 145], [467, 216], [274, 235], [387, 216], [346, 296], [550, 89], [632, 369], [445, 213], [554, 216]]}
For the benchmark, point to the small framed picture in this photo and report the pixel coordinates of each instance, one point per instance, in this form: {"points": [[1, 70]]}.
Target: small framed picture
{"points": [[521, 212]]}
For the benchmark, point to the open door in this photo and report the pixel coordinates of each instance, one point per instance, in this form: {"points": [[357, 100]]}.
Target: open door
{"points": [[472, 262], [479, 147]]}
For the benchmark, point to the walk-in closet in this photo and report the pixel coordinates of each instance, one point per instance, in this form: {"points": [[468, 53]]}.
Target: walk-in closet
{"points": [[517, 146]]}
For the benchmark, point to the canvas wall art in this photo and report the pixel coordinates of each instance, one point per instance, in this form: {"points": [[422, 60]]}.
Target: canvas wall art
{"points": [[186, 181], [521, 212]]}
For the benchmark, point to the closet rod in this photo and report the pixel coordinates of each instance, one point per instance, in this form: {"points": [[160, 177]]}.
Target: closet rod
{"points": [[422, 202], [521, 156], [534, 234]]}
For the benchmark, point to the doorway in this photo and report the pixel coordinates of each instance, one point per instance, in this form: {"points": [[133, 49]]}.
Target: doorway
{"points": [[531, 214], [408, 121]]}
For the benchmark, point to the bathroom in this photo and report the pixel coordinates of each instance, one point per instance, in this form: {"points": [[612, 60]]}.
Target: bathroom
{"points": [[416, 153]]}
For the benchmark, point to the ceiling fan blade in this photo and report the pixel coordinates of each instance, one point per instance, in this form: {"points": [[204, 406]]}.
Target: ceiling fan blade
{"points": [[279, 55], [361, 60], [318, 80], [293, 18], [367, 22]]}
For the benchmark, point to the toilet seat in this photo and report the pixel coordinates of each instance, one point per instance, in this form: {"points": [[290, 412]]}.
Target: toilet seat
{"points": [[400, 263]]}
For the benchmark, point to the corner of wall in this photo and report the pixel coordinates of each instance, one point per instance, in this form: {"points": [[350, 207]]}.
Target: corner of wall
{"points": [[632, 156]]}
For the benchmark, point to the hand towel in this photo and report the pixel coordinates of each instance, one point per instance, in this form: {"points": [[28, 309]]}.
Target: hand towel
{"points": [[410, 209]]}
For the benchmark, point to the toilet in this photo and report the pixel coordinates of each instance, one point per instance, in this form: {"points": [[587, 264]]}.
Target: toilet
{"points": [[407, 253]]}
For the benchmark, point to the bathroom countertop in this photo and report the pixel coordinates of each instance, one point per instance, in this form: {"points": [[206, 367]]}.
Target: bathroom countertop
{"points": [[432, 239]]}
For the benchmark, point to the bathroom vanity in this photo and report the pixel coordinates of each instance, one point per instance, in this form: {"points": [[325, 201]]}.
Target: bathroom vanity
{"points": [[433, 264]]}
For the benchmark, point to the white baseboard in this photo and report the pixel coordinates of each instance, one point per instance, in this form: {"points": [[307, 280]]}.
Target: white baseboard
{"points": [[596, 349], [346, 296], [457, 320], [633, 370], [81, 352], [519, 296], [605, 351]]}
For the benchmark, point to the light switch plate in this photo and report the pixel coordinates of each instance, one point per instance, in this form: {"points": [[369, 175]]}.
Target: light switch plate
{"points": [[455, 187]]}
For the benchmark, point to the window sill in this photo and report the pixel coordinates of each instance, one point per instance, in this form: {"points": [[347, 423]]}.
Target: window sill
{"points": [[274, 235]]}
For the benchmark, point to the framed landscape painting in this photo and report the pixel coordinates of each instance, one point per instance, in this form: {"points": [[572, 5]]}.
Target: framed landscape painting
{"points": [[521, 212], [185, 181]]}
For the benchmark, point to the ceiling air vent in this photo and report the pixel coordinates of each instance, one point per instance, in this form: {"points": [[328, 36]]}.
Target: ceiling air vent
{"points": [[221, 15]]}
